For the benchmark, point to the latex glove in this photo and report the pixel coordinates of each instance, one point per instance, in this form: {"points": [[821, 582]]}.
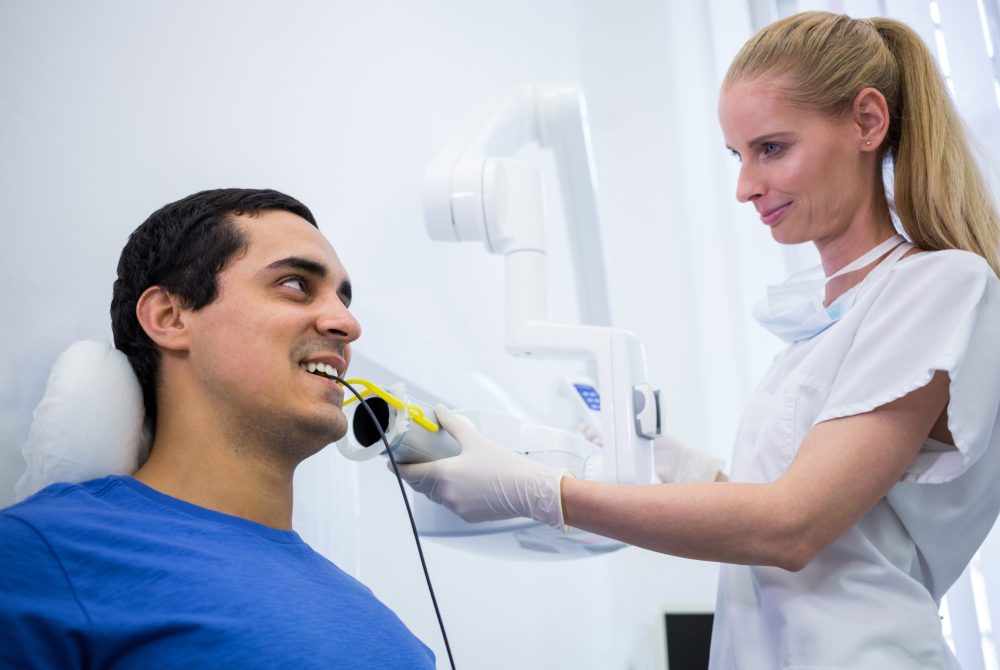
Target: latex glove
{"points": [[676, 463], [673, 462], [487, 482], [592, 435]]}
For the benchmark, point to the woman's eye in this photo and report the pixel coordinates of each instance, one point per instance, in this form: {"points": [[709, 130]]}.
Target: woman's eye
{"points": [[770, 148], [736, 155], [297, 283]]}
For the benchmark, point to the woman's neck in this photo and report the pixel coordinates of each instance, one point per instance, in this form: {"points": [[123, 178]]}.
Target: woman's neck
{"points": [[870, 226]]}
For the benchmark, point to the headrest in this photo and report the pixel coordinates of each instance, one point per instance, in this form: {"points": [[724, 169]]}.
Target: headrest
{"points": [[89, 423]]}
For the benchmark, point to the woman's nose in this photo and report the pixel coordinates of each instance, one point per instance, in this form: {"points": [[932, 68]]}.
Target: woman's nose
{"points": [[748, 186]]}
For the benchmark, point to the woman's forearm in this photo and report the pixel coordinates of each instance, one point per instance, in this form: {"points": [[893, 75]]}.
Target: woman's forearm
{"points": [[726, 522]]}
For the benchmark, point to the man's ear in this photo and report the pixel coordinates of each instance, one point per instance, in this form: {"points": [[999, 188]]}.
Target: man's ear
{"points": [[162, 316], [871, 117]]}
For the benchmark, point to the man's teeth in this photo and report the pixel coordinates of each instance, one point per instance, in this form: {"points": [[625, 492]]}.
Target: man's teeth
{"points": [[324, 369]]}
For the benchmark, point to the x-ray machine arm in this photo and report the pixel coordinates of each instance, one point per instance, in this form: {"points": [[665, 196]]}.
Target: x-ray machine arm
{"points": [[477, 191]]}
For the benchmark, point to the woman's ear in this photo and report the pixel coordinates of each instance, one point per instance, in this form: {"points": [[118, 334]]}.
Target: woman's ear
{"points": [[871, 117], [162, 316]]}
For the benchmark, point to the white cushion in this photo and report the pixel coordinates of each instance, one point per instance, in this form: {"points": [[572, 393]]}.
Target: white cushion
{"points": [[89, 423]]}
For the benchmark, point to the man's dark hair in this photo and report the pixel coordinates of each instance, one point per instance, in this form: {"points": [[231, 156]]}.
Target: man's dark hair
{"points": [[182, 247]]}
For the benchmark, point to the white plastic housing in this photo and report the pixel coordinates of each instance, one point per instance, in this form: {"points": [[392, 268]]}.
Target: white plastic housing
{"points": [[480, 193], [554, 117]]}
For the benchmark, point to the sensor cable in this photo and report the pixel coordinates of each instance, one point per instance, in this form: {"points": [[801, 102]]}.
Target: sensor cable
{"points": [[409, 512]]}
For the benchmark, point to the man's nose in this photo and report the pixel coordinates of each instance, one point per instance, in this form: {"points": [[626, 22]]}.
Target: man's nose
{"points": [[336, 319]]}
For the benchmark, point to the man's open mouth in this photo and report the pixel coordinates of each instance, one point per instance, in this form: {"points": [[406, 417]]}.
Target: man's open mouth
{"points": [[320, 369]]}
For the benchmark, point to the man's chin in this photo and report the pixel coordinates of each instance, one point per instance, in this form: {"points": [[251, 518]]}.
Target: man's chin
{"points": [[310, 443], [326, 429]]}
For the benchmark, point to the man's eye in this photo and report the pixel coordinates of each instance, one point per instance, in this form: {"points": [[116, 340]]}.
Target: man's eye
{"points": [[297, 283]]}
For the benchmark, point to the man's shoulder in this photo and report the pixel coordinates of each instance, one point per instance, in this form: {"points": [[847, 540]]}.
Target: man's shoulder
{"points": [[35, 533], [59, 499], [63, 510]]}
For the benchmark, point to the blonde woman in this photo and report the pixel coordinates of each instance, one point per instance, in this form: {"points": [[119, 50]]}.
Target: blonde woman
{"points": [[865, 470]]}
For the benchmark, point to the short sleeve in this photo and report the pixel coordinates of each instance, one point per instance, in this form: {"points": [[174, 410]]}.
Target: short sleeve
{"points": [[41, 623], [936, 311]]}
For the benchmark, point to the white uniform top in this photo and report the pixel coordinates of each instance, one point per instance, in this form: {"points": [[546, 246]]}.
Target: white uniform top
{"points": [[870, 600]]}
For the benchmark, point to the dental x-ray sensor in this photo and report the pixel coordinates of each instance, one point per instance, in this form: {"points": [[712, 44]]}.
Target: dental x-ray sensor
{"points": [[476, 191], [412, 436]]}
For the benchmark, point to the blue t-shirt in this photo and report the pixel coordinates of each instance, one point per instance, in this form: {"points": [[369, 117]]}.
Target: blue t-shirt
{"points": [[113, 574]]}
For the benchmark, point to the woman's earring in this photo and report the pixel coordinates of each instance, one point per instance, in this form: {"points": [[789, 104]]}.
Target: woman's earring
{"points": [[868, 143]]}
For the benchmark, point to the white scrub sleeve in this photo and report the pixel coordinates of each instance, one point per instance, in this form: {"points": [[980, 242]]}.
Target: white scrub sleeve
{"points": [[936, 311]]}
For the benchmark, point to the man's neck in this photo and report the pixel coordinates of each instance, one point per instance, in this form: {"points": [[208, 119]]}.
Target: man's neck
{"points": [[220, 472]]}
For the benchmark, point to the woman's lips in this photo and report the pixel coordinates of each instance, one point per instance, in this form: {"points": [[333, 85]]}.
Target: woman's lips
{"points": [[772, 217]]}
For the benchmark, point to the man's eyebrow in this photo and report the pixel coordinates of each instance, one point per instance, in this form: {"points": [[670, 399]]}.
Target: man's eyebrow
{"points": [[298, 263]]}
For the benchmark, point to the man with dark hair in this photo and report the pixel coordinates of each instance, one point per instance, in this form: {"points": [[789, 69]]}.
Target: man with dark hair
{"points": [[233, 311]]}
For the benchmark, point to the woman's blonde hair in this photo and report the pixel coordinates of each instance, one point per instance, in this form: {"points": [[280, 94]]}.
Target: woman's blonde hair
{"points": [[939, 194]]}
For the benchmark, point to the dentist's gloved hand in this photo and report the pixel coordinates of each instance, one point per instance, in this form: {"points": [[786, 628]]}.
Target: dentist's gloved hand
{"points": [[673, 461], [487, 482], [676, 463]]}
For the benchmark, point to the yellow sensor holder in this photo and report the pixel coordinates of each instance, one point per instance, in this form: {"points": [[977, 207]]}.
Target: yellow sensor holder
{"points": [[371, 388]]}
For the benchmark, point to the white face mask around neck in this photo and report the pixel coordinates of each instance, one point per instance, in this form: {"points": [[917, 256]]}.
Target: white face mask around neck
{"points": [[794, 310]]}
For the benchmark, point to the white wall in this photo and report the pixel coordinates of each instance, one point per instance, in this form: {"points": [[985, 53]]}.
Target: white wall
{"points": [[109, 110]]}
